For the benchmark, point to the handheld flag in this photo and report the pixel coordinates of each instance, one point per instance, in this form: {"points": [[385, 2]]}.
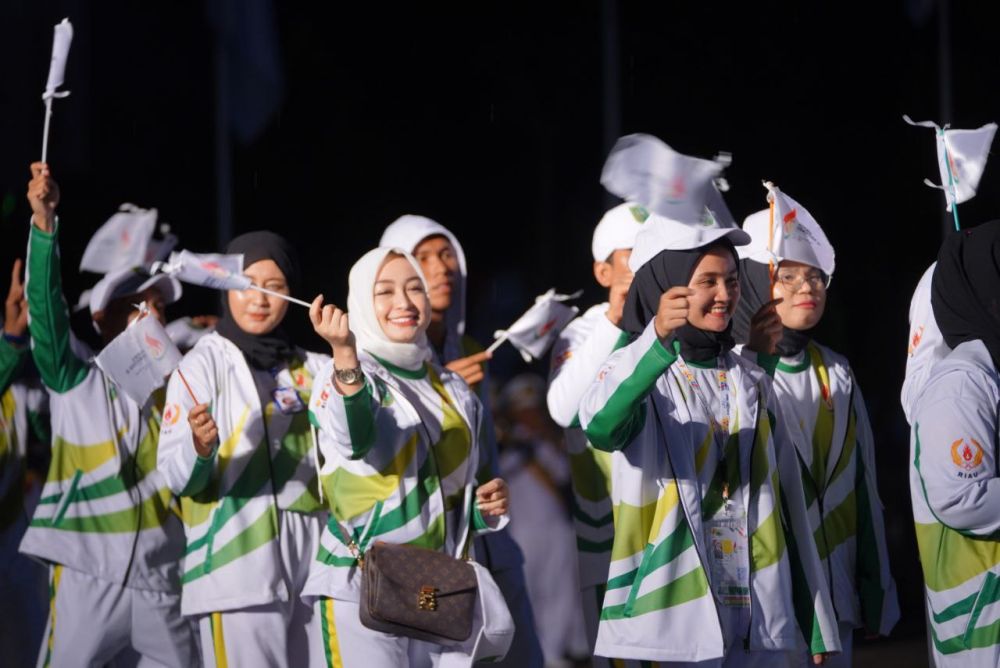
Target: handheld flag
{"points": [[123, 241], [61, 40], [214, 270], [139, 359], [962, 156], [794, 234], [536, 330], [643, 169]]}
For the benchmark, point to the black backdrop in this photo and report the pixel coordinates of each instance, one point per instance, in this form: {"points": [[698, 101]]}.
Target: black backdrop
{"points": [[492, 120]]}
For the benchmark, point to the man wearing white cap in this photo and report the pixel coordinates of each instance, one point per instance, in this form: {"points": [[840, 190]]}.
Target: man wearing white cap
{"points": [[827, 417], [106, 522], [577, 356], [442, 261], [703, 571]]}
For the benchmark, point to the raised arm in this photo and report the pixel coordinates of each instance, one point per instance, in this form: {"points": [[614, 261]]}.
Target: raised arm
{"points": [[60, 369]]}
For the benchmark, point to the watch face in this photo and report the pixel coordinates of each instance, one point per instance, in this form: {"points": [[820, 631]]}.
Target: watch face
{"points": [[349, 376]]}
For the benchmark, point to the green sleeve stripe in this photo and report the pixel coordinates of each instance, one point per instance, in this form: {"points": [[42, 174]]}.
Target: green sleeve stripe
{"points": [[202, 473], [11, 361], [59, 368], [478, 521], [621, 418], [360, 421]]}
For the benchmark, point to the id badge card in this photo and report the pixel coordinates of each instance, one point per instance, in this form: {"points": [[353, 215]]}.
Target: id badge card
{"points": [[728, 546], [288, 401]]}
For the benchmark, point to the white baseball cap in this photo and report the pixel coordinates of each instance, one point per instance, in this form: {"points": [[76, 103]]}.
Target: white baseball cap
{"points": [[130, 281], [661, 233], [617, 230]]}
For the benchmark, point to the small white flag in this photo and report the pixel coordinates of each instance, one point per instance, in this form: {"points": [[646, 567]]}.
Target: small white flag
{"points": [[61, 41], [796, 234], [123, 241], [212, 270], [536, 330], [139, 359], [643, 169], [962, 156]]}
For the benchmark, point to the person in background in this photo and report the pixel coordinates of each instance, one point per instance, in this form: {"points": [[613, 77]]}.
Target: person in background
{"points": [[577, 356]]}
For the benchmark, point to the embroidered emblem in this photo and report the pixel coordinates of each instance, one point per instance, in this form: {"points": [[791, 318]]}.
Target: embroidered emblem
{"points": [[171, 413], [967, 455], [918, 334]]}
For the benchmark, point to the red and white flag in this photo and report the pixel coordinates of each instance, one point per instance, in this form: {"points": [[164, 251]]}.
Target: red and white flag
{"points": [[140, 359], [535, 331], [212, 270], [962, 156], [123, 241]]}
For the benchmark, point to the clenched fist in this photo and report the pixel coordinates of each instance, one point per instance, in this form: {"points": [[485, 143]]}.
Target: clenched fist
{"points": [[673, 311], [203, 430], [43, 196]]}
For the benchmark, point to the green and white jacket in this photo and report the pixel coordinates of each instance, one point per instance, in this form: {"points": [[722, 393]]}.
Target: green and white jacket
{"points": [[955, 490], [826, 417], [232, 501], [400, 462], [659, 604], [577, 356], [104, 510]]}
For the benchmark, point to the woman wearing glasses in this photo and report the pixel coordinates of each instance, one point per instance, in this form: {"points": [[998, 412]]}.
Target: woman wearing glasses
{"points": [[784, 296]]}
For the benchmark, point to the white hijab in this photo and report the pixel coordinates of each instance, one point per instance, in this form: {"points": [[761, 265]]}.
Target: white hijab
{"points": [[364, 323], [407, 232]]}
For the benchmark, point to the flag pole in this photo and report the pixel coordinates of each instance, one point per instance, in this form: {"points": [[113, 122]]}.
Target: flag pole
{"points": [[45, 131], [499, 342], [188, 387], [287, 298], [951, 181], [771, 270]]}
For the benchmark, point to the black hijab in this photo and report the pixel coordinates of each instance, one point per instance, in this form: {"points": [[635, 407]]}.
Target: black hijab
{"points": [[755, 281], [668, 269], [965, 290], [262, 351]]}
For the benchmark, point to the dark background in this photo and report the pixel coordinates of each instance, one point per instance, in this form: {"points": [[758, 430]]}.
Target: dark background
{"points": [[496, 121]]}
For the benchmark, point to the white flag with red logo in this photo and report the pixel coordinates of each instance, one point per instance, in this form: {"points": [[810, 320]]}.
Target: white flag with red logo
{"points": [[139, 359], [962, 156], [212, 270], [536, 330], [795, 234], [643, 169], [121, 242]]}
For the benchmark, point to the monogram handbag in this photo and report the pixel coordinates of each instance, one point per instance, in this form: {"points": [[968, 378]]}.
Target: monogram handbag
{"points": [[416, 592]]}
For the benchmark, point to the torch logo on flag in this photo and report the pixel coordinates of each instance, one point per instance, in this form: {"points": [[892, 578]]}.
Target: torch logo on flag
{"points": [[155, 346], [535, 331]]}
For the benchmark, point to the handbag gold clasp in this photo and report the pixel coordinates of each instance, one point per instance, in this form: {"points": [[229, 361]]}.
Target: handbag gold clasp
{"points": [[427, 599]]}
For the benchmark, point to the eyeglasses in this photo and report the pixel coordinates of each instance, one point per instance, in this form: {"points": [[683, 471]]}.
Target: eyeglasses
{"points": [[792, 283]]}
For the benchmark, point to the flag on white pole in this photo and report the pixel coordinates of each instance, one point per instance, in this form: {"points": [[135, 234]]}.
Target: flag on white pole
{"points": [[139, 359], [212, 270], [123, 241], [643, 169], [536, 330], [795, 235], [962, 156], [61, 40]]}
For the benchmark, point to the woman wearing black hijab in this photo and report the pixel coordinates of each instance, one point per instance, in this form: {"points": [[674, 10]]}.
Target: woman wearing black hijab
{"points": [[237, 446], [954, 485], [701, 566]]}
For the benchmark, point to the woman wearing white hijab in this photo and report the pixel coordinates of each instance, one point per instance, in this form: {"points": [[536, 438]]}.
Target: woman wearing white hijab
{"points": [[400, 439]]}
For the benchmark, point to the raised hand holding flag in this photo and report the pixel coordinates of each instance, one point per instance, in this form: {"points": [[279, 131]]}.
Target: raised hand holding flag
{"points": [[62, 38]]}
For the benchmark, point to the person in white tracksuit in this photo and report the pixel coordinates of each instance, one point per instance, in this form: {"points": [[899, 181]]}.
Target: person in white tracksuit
{"points": [[237, 446], [577, 356], [925, 346], [712, 563], [827, 419], [953, 455], [399, 437], [442, 261], [106, 521]]}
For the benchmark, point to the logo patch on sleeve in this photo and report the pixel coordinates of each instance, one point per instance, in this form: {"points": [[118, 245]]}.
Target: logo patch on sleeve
{"points": [[967, 455]]}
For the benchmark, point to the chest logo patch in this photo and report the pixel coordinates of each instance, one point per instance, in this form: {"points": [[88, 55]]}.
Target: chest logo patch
{"points": [[967, 455]]}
